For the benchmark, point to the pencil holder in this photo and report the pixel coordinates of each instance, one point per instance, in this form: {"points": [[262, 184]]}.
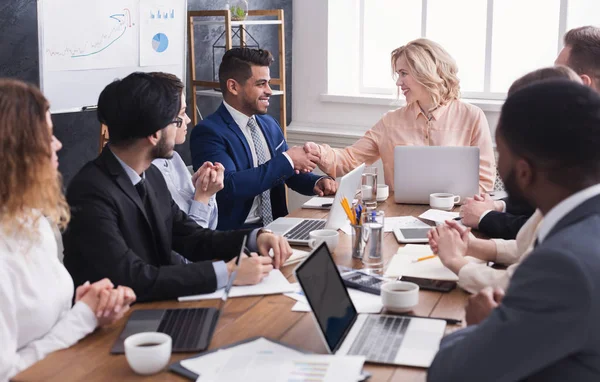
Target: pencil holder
{"points": [[358, 241]]}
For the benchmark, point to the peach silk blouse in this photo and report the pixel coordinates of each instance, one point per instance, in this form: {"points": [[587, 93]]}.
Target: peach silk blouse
{"points": [[455, 124]]}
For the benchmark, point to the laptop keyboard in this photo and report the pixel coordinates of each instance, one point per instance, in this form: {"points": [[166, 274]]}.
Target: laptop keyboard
{"points": [[301, 231], [184, 326], [380, 338]]}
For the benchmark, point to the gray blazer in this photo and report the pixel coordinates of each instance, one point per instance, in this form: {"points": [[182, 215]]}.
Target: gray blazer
{"points": [[548, 325]]}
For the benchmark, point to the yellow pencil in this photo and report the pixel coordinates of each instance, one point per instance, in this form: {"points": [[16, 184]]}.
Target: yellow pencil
{"points": [[344, 203], [425, 258]]}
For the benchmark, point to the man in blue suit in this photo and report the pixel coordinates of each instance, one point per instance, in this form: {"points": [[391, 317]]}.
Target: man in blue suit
{"points": [[251, 147], [546, 328]]}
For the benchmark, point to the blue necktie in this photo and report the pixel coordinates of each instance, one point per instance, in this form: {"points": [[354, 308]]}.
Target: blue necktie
{"points": [[266, 213]]}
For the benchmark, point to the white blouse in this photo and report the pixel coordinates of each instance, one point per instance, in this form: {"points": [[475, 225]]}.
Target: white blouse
{"points": [[473, 277], [36, 315]]}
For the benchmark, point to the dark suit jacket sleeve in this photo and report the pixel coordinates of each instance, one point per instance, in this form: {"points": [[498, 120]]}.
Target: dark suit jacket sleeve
{"points": [[209, 146], [95, 231], [502, 225], [542, 319], [199, 244]]}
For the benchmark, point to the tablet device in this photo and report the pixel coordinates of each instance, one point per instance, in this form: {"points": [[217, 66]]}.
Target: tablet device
{"points": [[429, 284], [411, 235]]}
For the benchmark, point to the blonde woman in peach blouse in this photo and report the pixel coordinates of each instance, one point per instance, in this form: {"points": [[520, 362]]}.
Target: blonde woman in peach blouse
{"points": [[433, 116]]}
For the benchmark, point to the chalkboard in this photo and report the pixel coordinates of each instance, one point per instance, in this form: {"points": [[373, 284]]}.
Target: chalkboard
{"points": [[86, 44]]}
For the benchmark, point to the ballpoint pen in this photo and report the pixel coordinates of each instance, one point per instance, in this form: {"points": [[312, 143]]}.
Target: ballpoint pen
{"points": [[450, 321]]}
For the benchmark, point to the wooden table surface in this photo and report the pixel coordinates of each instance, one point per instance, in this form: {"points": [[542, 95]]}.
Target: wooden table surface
{"points": [[245, 317]]}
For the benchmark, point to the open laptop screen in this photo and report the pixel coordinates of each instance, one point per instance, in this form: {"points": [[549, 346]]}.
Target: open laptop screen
{"points": [[327, 296]]}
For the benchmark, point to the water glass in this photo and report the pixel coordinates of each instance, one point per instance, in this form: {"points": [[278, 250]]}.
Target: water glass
{"points": [[369, 187], [373, 234]]}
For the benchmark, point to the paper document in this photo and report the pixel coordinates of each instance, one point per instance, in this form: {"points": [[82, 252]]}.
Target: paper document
{"points": [[209, 365], [321, 203], [297, 256], [274, 283], [403, 222], [317, 203], [364, 302], [403, 264], [274, 367], [438, 216]]}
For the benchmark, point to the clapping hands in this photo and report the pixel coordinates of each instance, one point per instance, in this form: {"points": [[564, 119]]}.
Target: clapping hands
{"points": [[208, 180]]}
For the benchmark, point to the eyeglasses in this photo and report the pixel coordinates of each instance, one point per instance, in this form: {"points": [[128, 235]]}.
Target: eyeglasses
{"points": [[178, 122]]}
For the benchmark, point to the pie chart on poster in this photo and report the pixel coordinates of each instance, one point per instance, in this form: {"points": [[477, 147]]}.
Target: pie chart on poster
{"points": [[160, 42]]}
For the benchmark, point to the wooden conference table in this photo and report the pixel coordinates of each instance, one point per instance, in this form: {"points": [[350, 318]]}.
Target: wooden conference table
{"points": [[245, 317]]}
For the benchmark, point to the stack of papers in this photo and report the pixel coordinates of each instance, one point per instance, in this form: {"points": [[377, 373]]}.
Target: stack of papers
{"points": [[438, 216], [321, 203], [297, 256], [274, 283], [262, 360], [403, 222], [403, 264], [364, 302]]}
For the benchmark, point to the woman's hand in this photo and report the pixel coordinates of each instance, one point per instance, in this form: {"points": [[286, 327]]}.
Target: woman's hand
{"points": [[208, 180], [108, 303], [452, 243]]}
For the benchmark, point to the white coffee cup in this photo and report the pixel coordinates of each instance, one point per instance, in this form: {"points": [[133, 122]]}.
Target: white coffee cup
{"points": [[399, 296], [383, 191], [149, 352], [331, 237], [443, 201]]}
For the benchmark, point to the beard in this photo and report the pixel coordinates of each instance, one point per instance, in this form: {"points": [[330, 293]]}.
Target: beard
{"points": [[251, 105], [514, 192], [162, 150]]}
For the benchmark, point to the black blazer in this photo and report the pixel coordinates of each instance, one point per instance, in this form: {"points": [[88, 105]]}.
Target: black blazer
{"points": [[110, 235], [506, 225]]}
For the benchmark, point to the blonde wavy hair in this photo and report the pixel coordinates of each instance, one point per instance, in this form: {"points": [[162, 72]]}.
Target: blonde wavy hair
{"points": [[29, 180], [431, 66]]}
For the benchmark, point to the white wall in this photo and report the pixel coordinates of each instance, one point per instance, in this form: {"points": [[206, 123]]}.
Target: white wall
{"points": [[317, 114]]}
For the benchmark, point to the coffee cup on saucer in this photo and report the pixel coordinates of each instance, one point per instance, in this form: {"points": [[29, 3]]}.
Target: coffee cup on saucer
{"points": [[399, 296], [443, 201], [331, 237], [148, 352]]}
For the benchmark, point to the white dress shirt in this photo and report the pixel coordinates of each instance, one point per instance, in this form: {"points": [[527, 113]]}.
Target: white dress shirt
{"points": [[182, 190], [560, 210], [36, 315], [242, 121]]}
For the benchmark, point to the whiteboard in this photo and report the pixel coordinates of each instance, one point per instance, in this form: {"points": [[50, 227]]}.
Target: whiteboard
{"points": [[86, 44]]}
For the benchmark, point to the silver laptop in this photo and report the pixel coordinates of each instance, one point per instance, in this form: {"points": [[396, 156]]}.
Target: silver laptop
{"points": [[296, 230], [387, 339], [423, 170]]}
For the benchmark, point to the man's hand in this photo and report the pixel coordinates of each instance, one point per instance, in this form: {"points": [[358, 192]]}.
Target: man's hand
{"points": [[325, 186], [474, 207], [208, 180], [280, 246], [452, 243], [481, 304], [251, 269], [303, 161]]}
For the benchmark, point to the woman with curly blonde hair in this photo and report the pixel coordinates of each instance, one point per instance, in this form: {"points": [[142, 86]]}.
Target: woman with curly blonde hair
{"points": [[433, 116], [36, 291]]}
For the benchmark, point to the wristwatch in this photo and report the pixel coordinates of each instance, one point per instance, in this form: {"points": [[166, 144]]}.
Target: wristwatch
{"points": [[263, 230]]}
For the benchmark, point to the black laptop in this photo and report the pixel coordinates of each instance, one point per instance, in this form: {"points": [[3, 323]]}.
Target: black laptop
{"points": [[190, 329]]}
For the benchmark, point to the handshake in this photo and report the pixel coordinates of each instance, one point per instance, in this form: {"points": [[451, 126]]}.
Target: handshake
{"points": [[305, 158]]}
